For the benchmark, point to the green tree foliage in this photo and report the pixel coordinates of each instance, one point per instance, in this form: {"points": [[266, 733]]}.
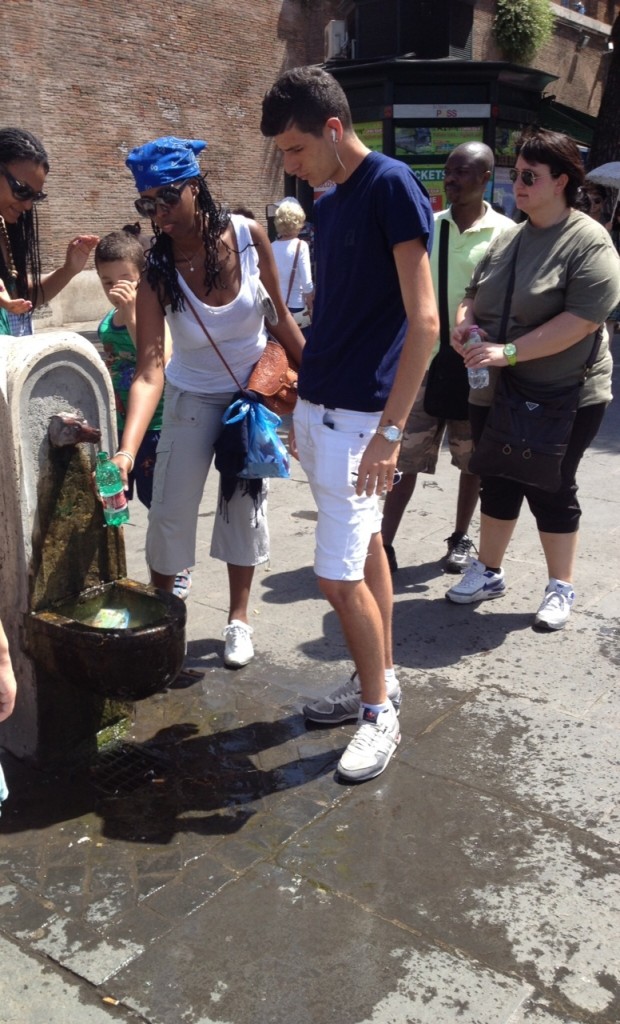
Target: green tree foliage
{"points": [[521, 27]]}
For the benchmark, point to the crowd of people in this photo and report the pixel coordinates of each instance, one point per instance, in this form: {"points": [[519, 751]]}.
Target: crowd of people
{"points": [[187, 326]]}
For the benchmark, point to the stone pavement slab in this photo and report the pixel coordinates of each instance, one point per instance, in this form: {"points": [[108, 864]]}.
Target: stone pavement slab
{"points": [[209, 868], [33, 992]]}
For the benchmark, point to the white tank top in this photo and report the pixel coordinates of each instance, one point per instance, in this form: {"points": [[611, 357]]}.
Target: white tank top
{"points": [[237, 329]]}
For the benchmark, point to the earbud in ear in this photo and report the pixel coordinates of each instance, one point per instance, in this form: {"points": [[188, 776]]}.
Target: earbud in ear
{"points": [[334, 135]]}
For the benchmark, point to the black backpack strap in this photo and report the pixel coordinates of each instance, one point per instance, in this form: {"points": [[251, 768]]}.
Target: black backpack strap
{"points": [[444, 314]]}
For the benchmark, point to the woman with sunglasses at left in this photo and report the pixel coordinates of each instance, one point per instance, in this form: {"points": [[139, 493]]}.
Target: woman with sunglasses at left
{"points": [[23, 169], [206, 259]]}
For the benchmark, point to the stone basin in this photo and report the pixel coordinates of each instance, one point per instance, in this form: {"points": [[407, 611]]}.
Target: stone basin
{"points": [[121, 640]]}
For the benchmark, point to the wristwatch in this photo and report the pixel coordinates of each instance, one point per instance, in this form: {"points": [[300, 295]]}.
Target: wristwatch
{"points": [[510, 351], [391, 433]]}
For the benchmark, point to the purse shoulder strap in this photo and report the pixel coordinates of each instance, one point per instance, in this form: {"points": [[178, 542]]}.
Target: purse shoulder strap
{"points": [[593, 354], [211, 341], [292, 277], [508, 297], [444, 315]]}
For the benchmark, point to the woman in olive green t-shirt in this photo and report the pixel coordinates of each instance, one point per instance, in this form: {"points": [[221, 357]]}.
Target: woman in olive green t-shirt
{"points": [[567, 278]]}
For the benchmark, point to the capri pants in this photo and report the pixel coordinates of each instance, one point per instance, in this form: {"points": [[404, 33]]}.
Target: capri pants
{"points": [[554, 512], [190, 428]]}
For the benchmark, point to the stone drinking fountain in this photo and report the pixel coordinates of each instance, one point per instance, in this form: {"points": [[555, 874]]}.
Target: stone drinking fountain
{"points": [[83, 637]]}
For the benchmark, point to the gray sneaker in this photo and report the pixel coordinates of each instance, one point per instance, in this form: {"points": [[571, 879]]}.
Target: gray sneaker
{"points": [[343, 705], [370, 750]]}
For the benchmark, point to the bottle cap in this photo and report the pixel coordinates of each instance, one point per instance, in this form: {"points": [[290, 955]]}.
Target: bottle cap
{"points": [[102, 456]]}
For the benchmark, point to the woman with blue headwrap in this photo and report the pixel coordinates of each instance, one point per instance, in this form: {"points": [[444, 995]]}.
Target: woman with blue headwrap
{"points": [[209, 260]]}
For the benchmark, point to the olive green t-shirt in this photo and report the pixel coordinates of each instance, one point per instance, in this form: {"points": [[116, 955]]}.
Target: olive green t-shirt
{"points": [[569, 267]]}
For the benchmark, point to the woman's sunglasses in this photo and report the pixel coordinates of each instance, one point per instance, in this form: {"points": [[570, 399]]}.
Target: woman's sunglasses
{"points": [[527, 177], [167, 196], [24, 193]]}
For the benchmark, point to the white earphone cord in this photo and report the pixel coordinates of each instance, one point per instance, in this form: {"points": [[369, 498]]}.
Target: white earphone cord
{"points": [[334, 140]]}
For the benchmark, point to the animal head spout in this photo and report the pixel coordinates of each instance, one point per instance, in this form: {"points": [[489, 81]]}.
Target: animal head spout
{"points": [[71, 428]]}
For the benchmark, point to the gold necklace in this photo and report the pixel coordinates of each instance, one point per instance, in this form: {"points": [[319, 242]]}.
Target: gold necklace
{"points": [[189, 259], [11, 268]]}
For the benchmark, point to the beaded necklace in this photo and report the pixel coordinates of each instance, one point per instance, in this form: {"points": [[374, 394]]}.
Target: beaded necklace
{"points": [[11, 268]]}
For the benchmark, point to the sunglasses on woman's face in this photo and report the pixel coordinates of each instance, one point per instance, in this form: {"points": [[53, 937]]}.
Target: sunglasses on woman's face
{"points": [[167, 196], [24, 193], [527, 177]]}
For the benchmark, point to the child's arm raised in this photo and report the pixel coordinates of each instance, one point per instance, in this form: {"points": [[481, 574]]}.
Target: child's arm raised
{"points": [[123, 295], [13, 305]]}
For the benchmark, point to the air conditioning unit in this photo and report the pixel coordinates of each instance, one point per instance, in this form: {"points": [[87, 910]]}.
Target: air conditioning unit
{"points": [[335, 39]]}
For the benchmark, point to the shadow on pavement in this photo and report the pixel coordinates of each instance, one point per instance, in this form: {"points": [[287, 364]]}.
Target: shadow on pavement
{"points": [[179, 781]]}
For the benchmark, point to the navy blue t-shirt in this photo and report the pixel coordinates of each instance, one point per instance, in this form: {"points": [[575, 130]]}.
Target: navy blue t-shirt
{"points": [[358, 319]]}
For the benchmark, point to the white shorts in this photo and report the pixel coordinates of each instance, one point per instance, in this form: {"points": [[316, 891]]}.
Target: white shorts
{"points": [[330, 443], [190, 428]]}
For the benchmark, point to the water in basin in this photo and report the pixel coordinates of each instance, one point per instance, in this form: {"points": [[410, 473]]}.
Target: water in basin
{"points": [[113, 608]]}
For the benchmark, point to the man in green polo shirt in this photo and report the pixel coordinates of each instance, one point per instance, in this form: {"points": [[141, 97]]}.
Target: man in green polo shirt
{"points": [[473, 224]]}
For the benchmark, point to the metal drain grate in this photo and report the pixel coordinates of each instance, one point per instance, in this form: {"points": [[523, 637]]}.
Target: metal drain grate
{"points": [[122, 768]]}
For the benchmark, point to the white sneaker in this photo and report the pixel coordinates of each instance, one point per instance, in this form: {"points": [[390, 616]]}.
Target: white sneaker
{"points": [[554, 611], [370, 750], [343, 704], [182, 584], [478, 584], [238, 649]]}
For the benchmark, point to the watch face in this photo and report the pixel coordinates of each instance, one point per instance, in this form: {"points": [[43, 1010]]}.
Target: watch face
{"points": [[510, 351], [391, 433]]}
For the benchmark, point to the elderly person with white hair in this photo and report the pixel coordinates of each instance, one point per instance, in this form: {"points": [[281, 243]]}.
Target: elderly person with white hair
{"points": [[292, 257]]}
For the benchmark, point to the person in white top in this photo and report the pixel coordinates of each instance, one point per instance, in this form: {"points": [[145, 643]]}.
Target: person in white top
{"points": [[207, 259], [292, 257]]}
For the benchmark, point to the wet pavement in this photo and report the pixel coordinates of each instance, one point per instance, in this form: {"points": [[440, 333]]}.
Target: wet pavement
{"points": [[210, 869]]}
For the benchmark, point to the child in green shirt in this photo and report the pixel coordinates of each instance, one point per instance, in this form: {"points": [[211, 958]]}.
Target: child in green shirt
{"points": [[119, 259]]}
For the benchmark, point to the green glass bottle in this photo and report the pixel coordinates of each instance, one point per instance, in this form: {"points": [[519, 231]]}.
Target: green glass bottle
{"points": [[109, 485]]}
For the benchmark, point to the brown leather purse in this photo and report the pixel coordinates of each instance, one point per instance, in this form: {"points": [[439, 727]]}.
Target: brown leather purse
{"points": [[275, 379]]}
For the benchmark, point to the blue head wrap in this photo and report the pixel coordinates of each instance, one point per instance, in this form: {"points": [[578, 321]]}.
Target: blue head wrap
{"points": [[164, 160]]}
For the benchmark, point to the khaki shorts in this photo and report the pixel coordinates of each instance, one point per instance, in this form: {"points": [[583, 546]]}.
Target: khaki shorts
{"points": [[423, 436]]}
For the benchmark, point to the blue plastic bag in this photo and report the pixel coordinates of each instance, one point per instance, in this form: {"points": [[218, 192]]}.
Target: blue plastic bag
{"points": [[266, 454]]}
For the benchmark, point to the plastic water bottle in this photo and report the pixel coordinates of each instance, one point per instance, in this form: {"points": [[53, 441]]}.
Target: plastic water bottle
{"points": [[110, 487], [478, 377]]}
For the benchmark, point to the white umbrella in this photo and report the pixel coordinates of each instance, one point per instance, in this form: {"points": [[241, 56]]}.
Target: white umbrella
{"points": [[606, 174]]}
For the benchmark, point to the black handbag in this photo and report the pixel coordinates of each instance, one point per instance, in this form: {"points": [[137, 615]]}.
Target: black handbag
{"points": [[525, 438], [447, 388], [528, 427]]}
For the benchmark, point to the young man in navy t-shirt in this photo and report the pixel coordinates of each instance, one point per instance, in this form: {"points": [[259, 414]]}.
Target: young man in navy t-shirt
{"points": [[374, 325]]}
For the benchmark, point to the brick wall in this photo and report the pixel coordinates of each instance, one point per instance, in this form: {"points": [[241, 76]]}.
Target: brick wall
{"points": [[92, 78], [602, 10], [581, 72]]}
